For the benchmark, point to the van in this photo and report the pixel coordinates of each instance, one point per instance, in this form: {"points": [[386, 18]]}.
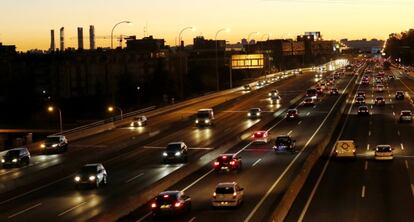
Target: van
{"points": [[204, 117]]}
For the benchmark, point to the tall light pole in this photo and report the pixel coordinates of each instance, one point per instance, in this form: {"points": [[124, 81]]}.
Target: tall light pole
{"points": [[51, 109], [112, 108], [217, 72], [248, 39], [264, 35], [181, 32], [112, 32]]}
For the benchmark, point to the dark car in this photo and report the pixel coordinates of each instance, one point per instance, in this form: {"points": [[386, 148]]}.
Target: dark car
{"points": [[292, 114], [247, 88], [361, 94], [380, 100], [57, 143], [308, 101], [399, 95], [170, 203], [91, 174], [363, 110], [227, 162], [334, 91], [406, 116], [254, 113], [16, 157], [360, 100], [176, 151], [284, 143]]}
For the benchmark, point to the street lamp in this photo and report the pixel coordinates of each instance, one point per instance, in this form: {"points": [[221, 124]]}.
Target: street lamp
{"points": [[50, 109], [112, 108], [181, 32], [112, 32], [215, 40]]}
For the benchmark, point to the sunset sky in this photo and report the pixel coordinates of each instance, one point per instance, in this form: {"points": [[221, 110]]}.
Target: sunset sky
{"points": [[27, 23]]}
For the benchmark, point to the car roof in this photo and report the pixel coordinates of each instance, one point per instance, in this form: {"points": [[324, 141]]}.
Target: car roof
{"points": [[170, 192], [228, 154], [176, 143], [51, 136], [406, 111], [345, 141], [290, 110], [260, 131], [384, 145], [18, 149], [92, 164], [362, 107], [226, 184], [283, 136], [209, 109]]}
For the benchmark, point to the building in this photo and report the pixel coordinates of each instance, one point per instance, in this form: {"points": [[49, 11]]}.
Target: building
{"points": [[7, 49], [145, 45], [364, 46]]}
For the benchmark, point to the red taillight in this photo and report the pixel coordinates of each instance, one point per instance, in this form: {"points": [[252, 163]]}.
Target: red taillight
{"points": [[232, 162], [153, 205], [177, 204], [216, 163], [224, 157]]}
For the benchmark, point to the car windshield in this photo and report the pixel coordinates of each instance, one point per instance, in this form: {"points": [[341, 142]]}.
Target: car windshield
{"points": [[13, 153], [254, 110], [282, 140], [166, 199], [380, 98], [406, 113], [88, 169], [139, 118], [224, 158], [173, 147], [311, 91], [360, 98], [203, 115], [363, 108], [52, 139], [224, 190], [292, 111], [383, 148]]}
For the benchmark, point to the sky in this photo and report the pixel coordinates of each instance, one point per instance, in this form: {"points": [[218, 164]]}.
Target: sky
{"points": [[27, 23]]}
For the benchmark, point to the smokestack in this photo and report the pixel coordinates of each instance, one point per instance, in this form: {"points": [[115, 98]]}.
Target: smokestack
{"points": [[92, 37], [52, 41], [80, 38], [62, 39]]}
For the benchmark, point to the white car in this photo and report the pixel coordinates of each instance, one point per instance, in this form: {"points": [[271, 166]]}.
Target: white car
{"points": [[383, 152], [228, 194], [139, 121]]}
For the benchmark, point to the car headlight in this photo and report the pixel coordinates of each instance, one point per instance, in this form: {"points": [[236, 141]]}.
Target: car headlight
{"points": [[164, 154], [248, 114], [132, 124], [258, 114], [14, 160], [42, 145], [139, 123], [2, 160], [206, 121], [77, 178], [54, 145], [92, 178], [177, 154], [196, 121]]}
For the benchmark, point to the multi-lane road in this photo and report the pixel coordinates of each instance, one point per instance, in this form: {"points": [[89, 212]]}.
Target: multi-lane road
{"points": [[45, 190], [366, 189]]}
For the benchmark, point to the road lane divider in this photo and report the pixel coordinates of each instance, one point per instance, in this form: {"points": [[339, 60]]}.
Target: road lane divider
{"points": [[256, 162], [71, 209], [363, 192], [24, 211]]}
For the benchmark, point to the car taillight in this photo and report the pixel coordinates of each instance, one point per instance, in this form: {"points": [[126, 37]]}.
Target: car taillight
{"points": [[214, 195], [232, 162], [177, 204], [234, 195], [216, 163], [153, 205]]}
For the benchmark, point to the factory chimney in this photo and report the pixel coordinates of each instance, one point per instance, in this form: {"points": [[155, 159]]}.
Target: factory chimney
{"points": [[80, 38], [92, 37], [62, 39], [52, 41]]}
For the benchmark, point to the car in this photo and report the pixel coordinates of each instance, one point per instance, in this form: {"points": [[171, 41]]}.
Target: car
{"points": [[391, 77], [254, 113], [275, 99], [175, 151], [345, 149], [383, 152], [91, 174], [322, 85], [379, 88], [273, 93], [170, 203], [227, 162], [379, 100], [55, 143], [260, 136], [365, 82], [319, 90], [308, 101], [318, 75], [406, 116], [139, 121], [313, 93], [361, 94], [247, 88], [292, 114], [18, 157], [284, 143], [204, 117], [334, 91], [260, 84], [363, 110], [227, 194], [359, 100], [337, 76], [399, 95]]}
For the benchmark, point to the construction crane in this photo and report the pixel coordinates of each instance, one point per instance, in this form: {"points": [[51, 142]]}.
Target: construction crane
{"points": [[119, 38]]}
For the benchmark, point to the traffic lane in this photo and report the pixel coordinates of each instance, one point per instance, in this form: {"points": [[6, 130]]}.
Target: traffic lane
{"points": [[308, 125]]}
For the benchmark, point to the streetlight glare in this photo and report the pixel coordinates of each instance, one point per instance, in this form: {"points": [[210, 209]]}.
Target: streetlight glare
{"points": [[110, 108], [50, 108]]}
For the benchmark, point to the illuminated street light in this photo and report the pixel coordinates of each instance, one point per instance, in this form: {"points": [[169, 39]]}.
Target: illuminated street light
{"points": [[51, 109], [112, 108], [215, 40], [112, 32]]}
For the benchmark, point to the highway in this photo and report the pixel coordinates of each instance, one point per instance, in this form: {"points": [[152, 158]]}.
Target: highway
{"points": [[365, 189], [265, 175], [45, 190]]}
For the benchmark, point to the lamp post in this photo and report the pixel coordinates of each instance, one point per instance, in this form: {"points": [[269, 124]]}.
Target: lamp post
{"points": [[51, 109], [248, 39], [112, 32], [217, 72], [112, 108], [266, 34], [181, 32]]}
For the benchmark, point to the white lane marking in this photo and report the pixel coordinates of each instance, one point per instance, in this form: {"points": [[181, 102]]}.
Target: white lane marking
{"points": [[190, 148], [70, 209], [363, 192], [299, 122], [255, 163], [143, 217], [406, 164], [372, 107], [23, 211], [402, 146], [366, 165], [290, 132], [196, 181], [135, 177], [249, 217], [305, 208], [192, 219], [367, 146], [393, 113], [307, 114], [398, 133], [369, 133], [412, 189]]}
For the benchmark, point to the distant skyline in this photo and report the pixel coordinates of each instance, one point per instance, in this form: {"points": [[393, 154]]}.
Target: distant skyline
{"points": [[27, 23]]}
